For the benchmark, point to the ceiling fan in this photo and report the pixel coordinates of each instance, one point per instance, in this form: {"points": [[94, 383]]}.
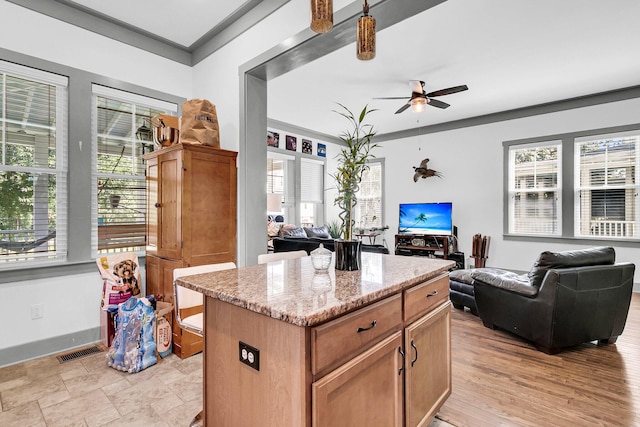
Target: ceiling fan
{"points": [[419, 98]]}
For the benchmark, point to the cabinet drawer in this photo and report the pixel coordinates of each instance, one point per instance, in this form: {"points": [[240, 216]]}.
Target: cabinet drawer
{"points": [[339, 340], [424, 297]]}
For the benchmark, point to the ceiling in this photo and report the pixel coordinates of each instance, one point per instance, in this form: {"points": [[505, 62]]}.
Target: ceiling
{"points": [[511, 54]]}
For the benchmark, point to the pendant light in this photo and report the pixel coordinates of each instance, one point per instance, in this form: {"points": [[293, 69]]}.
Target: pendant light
{"points": [[321, 15], [366, 35]]}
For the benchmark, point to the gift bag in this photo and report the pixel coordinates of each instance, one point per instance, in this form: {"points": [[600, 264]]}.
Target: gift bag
{"points": [[199, 123], [120, 275], [134, 347]]}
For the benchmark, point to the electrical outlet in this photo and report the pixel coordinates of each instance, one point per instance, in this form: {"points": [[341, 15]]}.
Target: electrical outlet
{"points": [[37, 311], [249, 355]]}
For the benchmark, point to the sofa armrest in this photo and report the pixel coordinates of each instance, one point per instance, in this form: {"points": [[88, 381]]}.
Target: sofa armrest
{"points": [[506, 280]]}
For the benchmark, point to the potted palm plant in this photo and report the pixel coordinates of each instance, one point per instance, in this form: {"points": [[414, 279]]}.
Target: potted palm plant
{"points": [[352, 163]]}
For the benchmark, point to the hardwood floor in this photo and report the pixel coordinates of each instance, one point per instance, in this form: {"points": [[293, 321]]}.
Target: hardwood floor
{"points": [[501, 380]]}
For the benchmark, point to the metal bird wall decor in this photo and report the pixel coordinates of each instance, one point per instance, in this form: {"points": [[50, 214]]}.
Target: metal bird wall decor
{"points": [[424, 172]]}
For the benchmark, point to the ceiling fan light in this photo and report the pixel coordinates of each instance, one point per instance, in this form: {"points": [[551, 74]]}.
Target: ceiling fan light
{"points": [[366, 38], [417, 104], [321, 15]]}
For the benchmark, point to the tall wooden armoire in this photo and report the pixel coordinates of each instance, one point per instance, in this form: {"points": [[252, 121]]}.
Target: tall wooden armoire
{"points": [[191, 219]]}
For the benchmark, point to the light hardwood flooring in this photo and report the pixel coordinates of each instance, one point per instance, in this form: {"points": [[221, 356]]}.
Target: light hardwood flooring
{"points": [[501, 380]]}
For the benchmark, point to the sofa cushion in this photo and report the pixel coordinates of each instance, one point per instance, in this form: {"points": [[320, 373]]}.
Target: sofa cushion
{"points": [[322, 232], [462, 276], [601, 255], [294, 232], [507, 280]]}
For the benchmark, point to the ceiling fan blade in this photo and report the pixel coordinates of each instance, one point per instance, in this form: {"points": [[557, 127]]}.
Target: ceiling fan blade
{"points": [[392, 97], [404, 107], [438, 104], [416, 86], [448, 91]]}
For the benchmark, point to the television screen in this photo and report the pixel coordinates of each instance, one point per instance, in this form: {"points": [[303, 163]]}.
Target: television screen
{"points": [[426, 218]]}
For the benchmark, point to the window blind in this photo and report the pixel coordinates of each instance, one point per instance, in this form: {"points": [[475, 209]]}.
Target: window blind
{"points": [[606, 185], [312, 181], [535, 189], [33, 167], [121, 136], [368, 211]]}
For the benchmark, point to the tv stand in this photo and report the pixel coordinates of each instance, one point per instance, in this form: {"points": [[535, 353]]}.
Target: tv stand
{"points": [[424, 245]]}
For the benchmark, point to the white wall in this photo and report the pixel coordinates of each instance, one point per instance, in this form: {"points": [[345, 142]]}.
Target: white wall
{"points": [[471, 160], [72, 46]]}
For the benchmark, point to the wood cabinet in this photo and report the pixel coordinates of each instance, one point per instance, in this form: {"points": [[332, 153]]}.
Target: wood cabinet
{"points": [[191, 219], [385, 364]]}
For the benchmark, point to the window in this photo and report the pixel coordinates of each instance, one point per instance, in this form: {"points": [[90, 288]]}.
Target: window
{"points": [[33, 167], [311, 192], [534, 188], [276, 187], [368, 210], [121, 136], [606, 186], [275, 175]]}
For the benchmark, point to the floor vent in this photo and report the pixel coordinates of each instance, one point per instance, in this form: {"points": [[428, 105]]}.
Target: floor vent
{"points": [[77, 354]]}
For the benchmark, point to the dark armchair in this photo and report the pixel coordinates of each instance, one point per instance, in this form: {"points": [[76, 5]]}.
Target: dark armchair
{"points": [[568, 298]]}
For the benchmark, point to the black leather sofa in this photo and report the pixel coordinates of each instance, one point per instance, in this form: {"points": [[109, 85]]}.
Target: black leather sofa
{"points": [[286, 244], [568, 298], [309, 238]]}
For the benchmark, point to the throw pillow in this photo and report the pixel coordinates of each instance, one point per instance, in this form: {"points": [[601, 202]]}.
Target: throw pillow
{"points": [[322, 232], [284, 228], [295, 232]]}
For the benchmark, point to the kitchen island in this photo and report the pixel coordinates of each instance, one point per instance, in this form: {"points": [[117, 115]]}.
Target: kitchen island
{"points": [[288, 346]]}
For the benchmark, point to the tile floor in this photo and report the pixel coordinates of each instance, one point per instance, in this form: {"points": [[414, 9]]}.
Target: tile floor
{"points": [[86, 392]]}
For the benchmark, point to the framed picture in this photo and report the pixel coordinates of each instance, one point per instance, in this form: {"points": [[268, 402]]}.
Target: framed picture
{"points": [[273, 139], [307, 146], [322, 150], [292, 143]]}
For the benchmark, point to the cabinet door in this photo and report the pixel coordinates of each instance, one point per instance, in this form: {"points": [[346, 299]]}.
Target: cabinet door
{"points": [[152, 272], [428, 365], [169, 205], [153, 202], [366, 391], [209, 196]]}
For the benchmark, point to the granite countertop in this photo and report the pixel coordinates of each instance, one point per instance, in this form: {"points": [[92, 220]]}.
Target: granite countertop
{"points": [[292, 291]]}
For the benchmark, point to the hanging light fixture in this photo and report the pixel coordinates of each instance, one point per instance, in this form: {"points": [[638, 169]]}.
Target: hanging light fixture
{"points": [[321, 15], [417, 104], [366, 35]]}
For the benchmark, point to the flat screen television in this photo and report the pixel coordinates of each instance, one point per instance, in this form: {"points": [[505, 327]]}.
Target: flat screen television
{"points": [[426, 218]]}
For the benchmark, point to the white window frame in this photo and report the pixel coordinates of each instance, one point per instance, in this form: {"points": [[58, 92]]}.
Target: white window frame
{"points": [[59, 254], [311, 192], [609, 230], [368, 222], [512, 190]]}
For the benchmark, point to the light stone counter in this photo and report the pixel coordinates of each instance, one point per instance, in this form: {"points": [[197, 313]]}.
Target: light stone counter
{"points": [[292, 291]]}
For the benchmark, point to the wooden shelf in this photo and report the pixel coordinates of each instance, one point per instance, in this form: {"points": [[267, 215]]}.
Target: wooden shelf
{"points": [[432, 244]]}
